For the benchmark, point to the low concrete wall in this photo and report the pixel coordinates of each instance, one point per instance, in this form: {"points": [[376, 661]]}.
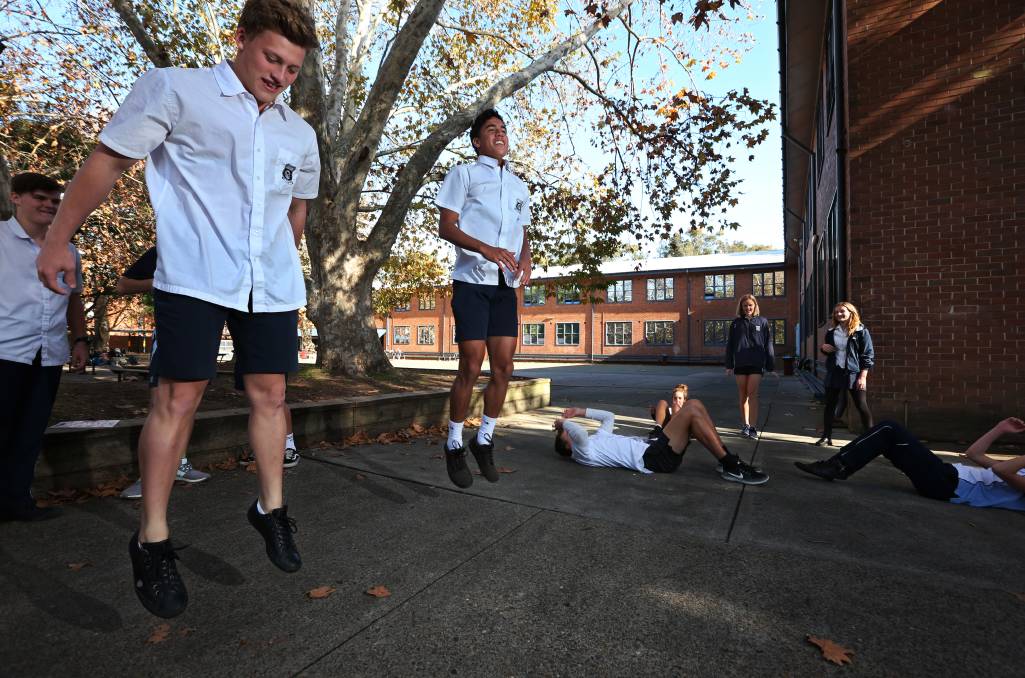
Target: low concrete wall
{"points": [[85, 458]]}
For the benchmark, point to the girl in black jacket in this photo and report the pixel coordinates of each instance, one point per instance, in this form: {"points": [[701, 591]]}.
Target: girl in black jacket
{"points": [[850, 355], [748, 354]]}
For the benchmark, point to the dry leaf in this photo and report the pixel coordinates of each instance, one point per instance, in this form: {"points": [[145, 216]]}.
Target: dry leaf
{"points": [[472, 422], [360, 476], [378, 591], [505, 469], [417, 428], [320, 592], [838, 654], [437, 456], [1020, 595], [185, 631], [75, 567], [251, 468], [159, 634], [228, 464]]}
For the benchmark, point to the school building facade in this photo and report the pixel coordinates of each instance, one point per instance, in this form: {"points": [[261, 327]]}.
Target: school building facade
{"points": [[670, 309], [904, 192]]}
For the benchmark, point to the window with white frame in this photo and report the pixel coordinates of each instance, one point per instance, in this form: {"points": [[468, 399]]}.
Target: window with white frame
{"points": [[660, 289], [659, 332], [427, 303], [620, 292], [769, 284], [619, 333], [400, 334], [534, 295], [402, 306], [533, 334], [425, 334], [567, 334], [567, 294], [719, 286]]}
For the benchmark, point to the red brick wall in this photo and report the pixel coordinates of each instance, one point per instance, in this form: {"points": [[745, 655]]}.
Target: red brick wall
{"points": [[937, 194]]}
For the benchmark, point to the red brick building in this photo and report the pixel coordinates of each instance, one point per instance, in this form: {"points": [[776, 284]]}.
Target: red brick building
{"points": [[677, 309], [904, 192]]}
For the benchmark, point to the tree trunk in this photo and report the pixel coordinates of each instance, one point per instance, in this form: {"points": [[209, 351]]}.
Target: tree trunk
{"points": [[6, 208], [101, 324]]}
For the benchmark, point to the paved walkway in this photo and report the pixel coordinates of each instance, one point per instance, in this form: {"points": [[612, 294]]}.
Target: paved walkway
{"points": [[555, 570]]}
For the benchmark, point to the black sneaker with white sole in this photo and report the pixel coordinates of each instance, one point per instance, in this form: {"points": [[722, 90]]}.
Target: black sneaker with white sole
{"points": [[277, 529], [455, 463], [485, 456], [157, 583], [291, 457], [744, 473]]}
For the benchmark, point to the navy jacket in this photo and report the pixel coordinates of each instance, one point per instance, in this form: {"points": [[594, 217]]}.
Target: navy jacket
{"points": [[860, 353], [750, 344]]}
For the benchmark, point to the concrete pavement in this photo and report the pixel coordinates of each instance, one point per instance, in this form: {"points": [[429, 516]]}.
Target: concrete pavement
{"points": [[557, 569]]}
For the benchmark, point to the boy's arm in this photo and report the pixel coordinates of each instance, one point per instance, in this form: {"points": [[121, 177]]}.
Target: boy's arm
{"points": [[297, 218], [89, 188], [526, 264], [606, 420], [977, 451], [1008, 472], [76, 325], [450, 231], [129, 286]]}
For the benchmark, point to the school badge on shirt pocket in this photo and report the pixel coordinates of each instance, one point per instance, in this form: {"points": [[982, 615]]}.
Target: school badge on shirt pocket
{"points": [[286, 165]]}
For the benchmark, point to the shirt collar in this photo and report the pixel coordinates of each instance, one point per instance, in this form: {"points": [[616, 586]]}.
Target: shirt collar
{"points": [[231, 86], [491, 162], [17, 229]]}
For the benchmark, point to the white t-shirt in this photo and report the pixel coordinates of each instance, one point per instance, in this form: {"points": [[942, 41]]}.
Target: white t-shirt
{"points": [[840, 340], [605, 448], [493, 205], [221, 177], [982, 487], [32, 318]]}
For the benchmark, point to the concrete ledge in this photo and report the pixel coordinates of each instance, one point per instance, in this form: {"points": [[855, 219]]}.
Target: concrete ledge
{"points": [[85, 458]]}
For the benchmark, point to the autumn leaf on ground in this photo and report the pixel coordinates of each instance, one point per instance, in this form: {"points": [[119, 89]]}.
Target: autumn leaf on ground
{"points": [[360, 476], [185, 631], [320, 592], [228, 464], [251, 468], [505, 469], [472, 422], [417, 428], [159, 634], [75, 567], [838, 654], [437, 456], [1020, 595], [378, 591]]}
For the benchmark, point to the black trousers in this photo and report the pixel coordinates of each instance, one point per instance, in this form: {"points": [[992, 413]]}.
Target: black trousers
{"points": [[931, 476], [833, 395], [27, 393]]}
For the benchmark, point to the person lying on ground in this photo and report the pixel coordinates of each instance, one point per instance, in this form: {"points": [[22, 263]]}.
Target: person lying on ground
{"points": [[997, 484], [662, 454]]}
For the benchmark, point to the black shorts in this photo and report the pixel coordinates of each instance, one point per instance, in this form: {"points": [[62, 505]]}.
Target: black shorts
{"points": [[483, 311], [747, 370], [189, 337], [659, 457]]}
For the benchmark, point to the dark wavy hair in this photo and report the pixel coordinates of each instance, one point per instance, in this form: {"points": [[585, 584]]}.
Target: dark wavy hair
{"points": [[26, 182], [561, 446], [285, 17], [478, 123]]}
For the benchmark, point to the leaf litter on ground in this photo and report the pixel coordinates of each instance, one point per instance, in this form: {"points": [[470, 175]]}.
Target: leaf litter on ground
{"points": [[832, 652], [320, 592], [378, 591]]}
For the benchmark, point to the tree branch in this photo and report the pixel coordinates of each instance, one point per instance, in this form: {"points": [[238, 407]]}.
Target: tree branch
{"points": [[158, 55]]}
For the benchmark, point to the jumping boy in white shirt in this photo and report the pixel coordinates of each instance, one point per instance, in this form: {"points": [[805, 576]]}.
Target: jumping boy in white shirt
{"points": [[485, 210], [230, 170]]}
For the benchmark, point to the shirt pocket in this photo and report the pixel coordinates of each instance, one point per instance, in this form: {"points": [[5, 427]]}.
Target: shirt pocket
{"points": [[285, 171], [484, 192]]}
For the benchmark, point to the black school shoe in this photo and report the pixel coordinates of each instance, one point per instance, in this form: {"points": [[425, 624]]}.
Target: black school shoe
{"points": [[277, 529], [485, 456], [30, 514], [455, 462], [157, 583]]}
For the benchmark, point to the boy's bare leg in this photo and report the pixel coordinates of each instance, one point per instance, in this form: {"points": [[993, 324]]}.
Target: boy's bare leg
{"points": [[500, 356], [163, 440], [471, 357], [266, 394]]}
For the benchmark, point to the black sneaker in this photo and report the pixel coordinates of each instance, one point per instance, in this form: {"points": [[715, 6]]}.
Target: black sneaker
{"points": [[277, 529], [485, 456], [246, 458], [752, 433], [743, 473], [157, 582], [455, 462], [827, 469], [291, 457]]}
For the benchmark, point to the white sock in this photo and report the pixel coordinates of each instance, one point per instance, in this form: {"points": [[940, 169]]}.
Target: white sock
{"points": [[259, 508], [290, 441], [455, 435], [486, 433], [185, 460]]}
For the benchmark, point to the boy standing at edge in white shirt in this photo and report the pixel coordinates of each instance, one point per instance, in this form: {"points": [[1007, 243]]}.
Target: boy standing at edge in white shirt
{"points": [[34, 325], [230, 170], [485, 210]]}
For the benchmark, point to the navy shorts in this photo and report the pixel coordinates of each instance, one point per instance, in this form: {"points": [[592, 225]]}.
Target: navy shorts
{"points": [[659, 457], [189, 338], [747, 370], [483, 311]]}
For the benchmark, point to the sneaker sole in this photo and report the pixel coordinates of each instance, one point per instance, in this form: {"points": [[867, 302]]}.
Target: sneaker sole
{"points": [[190, 481], [743, 481]]}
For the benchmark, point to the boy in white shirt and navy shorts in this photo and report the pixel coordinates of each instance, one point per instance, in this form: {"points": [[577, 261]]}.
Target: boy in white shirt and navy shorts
{"points": [[485, 209], [230, 169]]}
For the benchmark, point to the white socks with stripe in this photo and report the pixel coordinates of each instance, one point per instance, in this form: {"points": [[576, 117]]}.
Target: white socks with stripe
{"points": [[455, 435], [487, 430]]}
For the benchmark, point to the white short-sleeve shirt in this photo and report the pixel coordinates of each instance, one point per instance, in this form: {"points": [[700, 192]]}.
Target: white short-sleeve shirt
{"points": [[493, 205], [221, 177], [605, 448], [32, 318]]}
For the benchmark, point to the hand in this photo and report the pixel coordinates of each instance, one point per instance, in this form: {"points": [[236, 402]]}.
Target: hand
{"points": [[861, 384], [1011, 425], [79, 356], [505, 259], [571, 412], [828, 348], [526, 268], [52, 260]]}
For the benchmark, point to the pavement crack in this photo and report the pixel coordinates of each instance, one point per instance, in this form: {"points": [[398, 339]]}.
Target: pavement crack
{"points": [[754, 456], [416, 594]]}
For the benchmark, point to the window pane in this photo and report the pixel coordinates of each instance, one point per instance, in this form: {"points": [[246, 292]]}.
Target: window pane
{"points": [[401, 335]]}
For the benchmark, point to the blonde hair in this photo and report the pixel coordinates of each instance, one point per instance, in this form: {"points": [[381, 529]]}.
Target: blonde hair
{"points": [[740, 305], [853, 321], [681, 387]]}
